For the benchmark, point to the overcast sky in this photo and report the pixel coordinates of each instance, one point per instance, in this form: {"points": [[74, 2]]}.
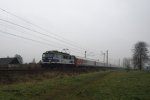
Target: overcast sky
{"points": [[91, 25]]}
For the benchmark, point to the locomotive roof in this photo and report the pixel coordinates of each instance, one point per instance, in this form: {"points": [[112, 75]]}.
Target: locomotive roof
{"points": [[57, 52]]}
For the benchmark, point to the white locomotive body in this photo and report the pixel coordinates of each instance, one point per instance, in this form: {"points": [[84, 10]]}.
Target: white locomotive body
{"points": [[55, 57]]}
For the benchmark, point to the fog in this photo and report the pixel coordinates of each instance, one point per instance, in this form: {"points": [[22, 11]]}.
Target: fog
{"points": [[85, 25]]}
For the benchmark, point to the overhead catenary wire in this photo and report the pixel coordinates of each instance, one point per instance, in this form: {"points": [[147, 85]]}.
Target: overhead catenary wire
{"points": [[33, 40], [44, 39], [77, 51], [4, 32], [64, 40], [29, 22], [30, 29]]}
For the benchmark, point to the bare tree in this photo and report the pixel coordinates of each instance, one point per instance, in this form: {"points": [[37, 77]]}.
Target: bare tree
{"points": [[127, 63], [140, 54], [19, 58]]}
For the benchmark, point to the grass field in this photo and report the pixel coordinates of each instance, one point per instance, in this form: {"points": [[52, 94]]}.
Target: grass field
{"points": [[109, 85]]}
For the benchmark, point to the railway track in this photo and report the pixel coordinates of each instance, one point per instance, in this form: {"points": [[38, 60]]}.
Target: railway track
{"points": [[38, 67]]}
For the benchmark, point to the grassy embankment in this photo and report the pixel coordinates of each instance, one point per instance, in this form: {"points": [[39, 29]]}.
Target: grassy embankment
{"points": [[110, 85]]}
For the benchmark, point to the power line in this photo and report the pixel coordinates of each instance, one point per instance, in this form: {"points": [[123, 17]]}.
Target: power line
{"points": [[30, 29], [63, 39], [40, 38], [28, 39], [107, 58], [23, 37], [38, 26]]}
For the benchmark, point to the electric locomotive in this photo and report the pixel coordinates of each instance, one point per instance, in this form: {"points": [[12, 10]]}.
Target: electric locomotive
{"points": [[56, 58]]}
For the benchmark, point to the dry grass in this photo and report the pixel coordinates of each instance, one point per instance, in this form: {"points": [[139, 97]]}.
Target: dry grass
{"points": [[109, 85]]}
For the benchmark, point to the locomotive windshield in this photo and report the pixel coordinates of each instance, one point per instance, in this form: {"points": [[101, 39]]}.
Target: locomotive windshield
{"points": [[48, 55]]}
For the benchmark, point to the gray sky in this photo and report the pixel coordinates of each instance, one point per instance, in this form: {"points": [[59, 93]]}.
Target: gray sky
{"points": [[92, 25]]}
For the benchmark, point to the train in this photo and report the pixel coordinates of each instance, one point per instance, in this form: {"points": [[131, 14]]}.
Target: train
{"points": [[54, 57]]}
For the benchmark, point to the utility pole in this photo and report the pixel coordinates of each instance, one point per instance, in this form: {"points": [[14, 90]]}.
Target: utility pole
{"points": [[104, 58], [85, 54], [119, 62], [107, 58], [104, 54]]}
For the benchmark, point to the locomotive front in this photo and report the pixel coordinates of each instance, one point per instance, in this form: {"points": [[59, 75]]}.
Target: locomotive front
{"points": [[49, 57]]}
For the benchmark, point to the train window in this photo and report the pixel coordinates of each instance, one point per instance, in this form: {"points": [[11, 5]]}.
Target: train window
{"points": [[64, 56], [51, 55], [58, 56], [72, 57], [45, 55], [69, 57]]}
